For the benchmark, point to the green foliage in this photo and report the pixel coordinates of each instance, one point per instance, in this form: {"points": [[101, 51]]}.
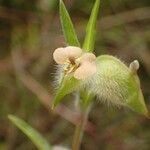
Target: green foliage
{"points": [[34, 136], [91, 29], [67, 26], [69, 83], [115, 83]]}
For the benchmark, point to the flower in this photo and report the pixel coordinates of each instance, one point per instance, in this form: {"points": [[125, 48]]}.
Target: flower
{"points": [[81, 65]]}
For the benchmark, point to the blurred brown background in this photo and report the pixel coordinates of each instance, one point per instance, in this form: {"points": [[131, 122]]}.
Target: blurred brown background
{"points": [[29, 32]]}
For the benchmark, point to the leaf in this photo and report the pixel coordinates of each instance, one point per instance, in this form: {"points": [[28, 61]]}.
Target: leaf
{"points": [[34, 136], [69, 84], [114, 83], [67, 26], [91, 29]]}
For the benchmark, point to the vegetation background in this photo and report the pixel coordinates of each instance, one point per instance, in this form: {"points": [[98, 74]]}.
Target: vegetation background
{"points": [[30, 30]]}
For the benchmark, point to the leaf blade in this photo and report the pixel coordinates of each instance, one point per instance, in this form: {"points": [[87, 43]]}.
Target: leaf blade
{"points": [[71, 39], [33, 135], [91, 28], [69, 84], [67, 26]]}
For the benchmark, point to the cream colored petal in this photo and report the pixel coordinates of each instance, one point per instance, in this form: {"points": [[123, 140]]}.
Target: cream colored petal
{"points": [[73, 52], [86, 70], [90, 57], [60, 55]]}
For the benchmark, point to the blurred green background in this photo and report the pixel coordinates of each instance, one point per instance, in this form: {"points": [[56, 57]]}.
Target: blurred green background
{"points": [[30, 30]]}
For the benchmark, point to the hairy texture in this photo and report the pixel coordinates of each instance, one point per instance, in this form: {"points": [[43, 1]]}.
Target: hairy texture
{"points": [[115, 83], [58, 76]]}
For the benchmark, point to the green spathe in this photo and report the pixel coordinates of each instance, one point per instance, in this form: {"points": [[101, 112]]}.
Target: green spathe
{"points": [[116, 84], [67, 86]]}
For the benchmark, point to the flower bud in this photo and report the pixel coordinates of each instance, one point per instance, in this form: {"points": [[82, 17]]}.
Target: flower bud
{"points": [[134, 66]]}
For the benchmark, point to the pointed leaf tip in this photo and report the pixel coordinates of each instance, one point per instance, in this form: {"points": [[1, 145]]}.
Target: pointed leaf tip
{"points": [[67, 26], [91, 28]]}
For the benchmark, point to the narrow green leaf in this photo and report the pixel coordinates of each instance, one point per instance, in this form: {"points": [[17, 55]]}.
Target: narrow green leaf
{"points": [[67, 26], [34, 136], [69, 84], [91, 29]]}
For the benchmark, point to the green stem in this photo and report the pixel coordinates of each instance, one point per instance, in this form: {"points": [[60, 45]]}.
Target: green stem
{"points": [[78, 134]]}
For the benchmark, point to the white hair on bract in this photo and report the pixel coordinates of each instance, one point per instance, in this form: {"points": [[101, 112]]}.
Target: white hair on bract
{"points": [[58, 76], [115, 83], [106, 84]]}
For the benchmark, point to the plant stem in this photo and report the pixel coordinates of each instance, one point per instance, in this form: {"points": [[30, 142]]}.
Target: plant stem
{"points": [[78, 134]]}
